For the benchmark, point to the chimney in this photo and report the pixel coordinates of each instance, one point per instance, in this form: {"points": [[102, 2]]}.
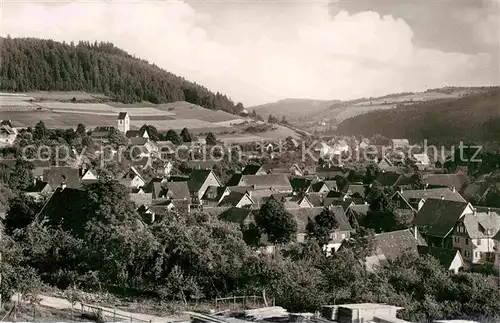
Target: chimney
{"points": [[442, 197], [63, 185], [453, 189], [425, 187], [488, 211], [401, 190], [415, 232]]}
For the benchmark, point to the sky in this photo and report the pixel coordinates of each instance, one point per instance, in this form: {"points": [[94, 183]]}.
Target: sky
{"points": [[261, 51]]}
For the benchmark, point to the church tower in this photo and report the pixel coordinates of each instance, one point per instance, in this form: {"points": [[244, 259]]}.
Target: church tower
{"points": [[123, 122]]}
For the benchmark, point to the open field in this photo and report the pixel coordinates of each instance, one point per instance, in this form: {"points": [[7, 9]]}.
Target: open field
{"points": [[56, 114], [65, 96]]}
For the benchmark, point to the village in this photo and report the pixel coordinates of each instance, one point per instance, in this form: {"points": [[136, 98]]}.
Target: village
{"points": [[442, 210]]}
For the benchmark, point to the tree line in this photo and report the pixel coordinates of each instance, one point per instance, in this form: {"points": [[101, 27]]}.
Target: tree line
{"points": [[30, 64]]}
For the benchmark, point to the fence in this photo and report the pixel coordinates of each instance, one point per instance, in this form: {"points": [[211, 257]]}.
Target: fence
{"points": [[104, 315], [235, 302]]}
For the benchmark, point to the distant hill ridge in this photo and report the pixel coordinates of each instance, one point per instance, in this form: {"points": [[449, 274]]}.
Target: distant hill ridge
{"points": [[30, 64], [474, 117]]}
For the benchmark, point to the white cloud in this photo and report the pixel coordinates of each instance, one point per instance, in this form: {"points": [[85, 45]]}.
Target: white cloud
{"points": [[258, 53]]}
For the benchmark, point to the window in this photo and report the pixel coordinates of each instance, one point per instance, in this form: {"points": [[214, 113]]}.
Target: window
{"points": [[457, 239], [466, 254], [478, 242], [466, 241], [477, 254]]}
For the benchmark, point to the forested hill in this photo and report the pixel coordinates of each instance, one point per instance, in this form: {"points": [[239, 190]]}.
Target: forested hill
{"points": [[474, 118], [30, 64]]}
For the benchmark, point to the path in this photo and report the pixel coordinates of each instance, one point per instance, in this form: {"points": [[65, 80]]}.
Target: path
{"points": [[62, 303]]}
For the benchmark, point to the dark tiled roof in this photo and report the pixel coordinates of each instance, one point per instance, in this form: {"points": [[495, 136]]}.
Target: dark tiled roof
{"points": [[458, 181], [433, 193], [177, 190], [63, 206], [445, 256], [275, 181], [303, 215], [388, 179], [315, 199], [395, 243], [138, 141], [132, 133], [197, 178], [332, 185], [234, 180], [122, 115], [235, 214], [242, 189], [213, 193], [250, 169], [232, 199], [317, 186], [37, 187], [330, 172], [357, 190], [148, 188], [438, 217], [300, 184], [180, 206], [55, 176]]}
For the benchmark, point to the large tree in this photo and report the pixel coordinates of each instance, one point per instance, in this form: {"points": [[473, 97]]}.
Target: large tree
{"points": [[173, 137], [273, 220], [322, 226], [185, 135], [210, 139], [22, 212]]}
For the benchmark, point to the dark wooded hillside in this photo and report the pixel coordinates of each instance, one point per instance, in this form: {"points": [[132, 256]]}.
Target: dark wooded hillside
{"points": [[30, 64]]}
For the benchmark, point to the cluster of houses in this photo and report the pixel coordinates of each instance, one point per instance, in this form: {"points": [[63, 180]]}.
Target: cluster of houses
{"points": [[443, 222]]}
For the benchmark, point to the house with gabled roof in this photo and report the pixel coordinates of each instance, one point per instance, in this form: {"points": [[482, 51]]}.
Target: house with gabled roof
{"points": [[357, 192], [422, 161], [437, 218], [320, 187], [474, 235], [123, 122], [414, 199], [175, 190], [131, 178], [236, 199], [55, 176], [356, 213], [303, 216], [399, 144], [273, 182], [384, 163], [102, 133], [39, 189], [388, 246], [88, 174], [200, 180], [450, 259], [7, 135], [457, 181], [331, 172], [300, 185], [213, 195], [316, 199]]}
